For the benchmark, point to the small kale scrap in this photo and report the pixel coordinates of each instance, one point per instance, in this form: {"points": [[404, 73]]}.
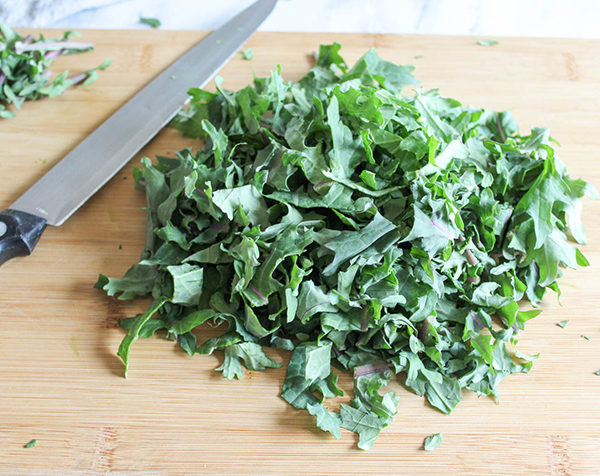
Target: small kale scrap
{"points": [[248, 54], [153, 22], [360, 229], [25, 63], [433, 441]]}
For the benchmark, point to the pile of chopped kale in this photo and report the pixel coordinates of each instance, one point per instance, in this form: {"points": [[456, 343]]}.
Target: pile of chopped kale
{"points": [[361, 229]]}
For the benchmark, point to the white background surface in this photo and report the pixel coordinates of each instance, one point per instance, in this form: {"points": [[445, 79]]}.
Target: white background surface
{"points": [[541, 18]]}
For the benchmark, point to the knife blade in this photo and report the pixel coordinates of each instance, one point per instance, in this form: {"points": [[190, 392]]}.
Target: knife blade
{"points": [[81, 173]]}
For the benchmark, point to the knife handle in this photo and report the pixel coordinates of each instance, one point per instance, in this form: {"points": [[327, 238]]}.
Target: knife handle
{"points": [[19, 233]]}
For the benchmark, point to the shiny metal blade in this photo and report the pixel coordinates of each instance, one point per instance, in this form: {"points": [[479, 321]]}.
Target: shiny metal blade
{"points": [[103, 153]]}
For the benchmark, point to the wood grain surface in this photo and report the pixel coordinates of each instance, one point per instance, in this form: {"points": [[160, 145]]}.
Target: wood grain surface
{"points": [[60, 379]]}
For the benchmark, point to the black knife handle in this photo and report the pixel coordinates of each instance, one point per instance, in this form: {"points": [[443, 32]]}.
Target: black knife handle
{"points": [[19, 233]]}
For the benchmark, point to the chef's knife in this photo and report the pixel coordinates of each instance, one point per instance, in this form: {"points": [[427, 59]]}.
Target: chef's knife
{"points": [[68, 185]]}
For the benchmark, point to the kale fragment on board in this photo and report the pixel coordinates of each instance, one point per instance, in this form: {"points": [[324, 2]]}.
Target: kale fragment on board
{"points": [[433, 441], [248, 53]]}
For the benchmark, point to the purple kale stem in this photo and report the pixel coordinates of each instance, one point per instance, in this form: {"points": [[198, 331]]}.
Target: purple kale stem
{"points": [[53, 54], [217, 226], [77, 78], [322, 184], [363, 326], [471, 258], [2, 78], [500, 129], [472, 279], [275, 164], [368, 369], [263, 136], [258, 293], [442, 229], [424, 330], [477, 321], [52, 45], [27, 40], [514, 327]]}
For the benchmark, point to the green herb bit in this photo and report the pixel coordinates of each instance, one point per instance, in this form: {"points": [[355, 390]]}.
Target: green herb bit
{"points": [[487, 42], [586, 337], [433, 441], [248, 54], [153, 22], [31, 444], [563, 324]]}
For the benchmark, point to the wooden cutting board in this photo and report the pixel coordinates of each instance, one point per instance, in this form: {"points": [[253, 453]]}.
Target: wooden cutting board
{"points": [[60, 379]]}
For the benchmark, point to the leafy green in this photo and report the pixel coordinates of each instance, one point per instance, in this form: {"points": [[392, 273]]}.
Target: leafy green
{"points": [[31, 444], [586, 337], [444, 395], [433, 441], [252, 355], [91, 75], [368, 425], [135, 330], [487, 42], [187, 283], [369, 411], [25, 63], [563, 324], [153, 22], [326, 420], [248, 54], [138, 281], [360, 229]]}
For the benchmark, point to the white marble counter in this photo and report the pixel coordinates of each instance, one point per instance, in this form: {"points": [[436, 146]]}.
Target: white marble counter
{"points": [[542, 18]]}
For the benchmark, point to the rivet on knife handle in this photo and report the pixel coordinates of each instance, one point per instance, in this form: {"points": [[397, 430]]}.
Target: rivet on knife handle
{"points": [[19, 233]]}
